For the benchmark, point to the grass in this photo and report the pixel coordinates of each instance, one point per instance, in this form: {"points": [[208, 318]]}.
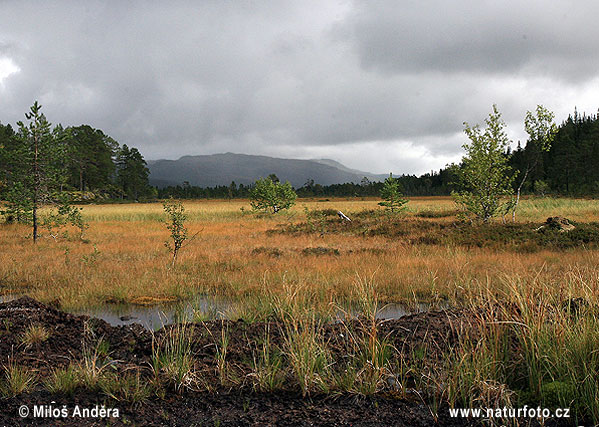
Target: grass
{"points": [[233, 256], [307, 354], [172, 361], [64, 381], [34, 335], [267, 373], [17, 380], [534, 338], [128, 387]]}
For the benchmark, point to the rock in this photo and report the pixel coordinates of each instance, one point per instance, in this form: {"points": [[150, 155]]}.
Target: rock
{"points": [[557, 223]]}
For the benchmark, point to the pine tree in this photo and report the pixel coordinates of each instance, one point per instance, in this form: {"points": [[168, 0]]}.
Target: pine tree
{"points": [[35, 169], [391, 194]]}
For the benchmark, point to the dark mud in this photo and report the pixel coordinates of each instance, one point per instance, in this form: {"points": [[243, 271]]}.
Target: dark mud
{"points": [[426, 335]]}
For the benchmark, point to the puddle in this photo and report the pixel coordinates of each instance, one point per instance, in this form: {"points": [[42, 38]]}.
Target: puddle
{"points": [[386, 311], [204, 307], [155, 317], [395, 311]]}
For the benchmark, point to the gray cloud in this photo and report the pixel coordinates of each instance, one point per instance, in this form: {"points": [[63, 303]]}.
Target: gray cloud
{"points": [[555, 38], [378, 85]]}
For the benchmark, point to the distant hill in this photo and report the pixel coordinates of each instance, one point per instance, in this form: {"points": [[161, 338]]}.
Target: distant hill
{"points": [[221, 169]]}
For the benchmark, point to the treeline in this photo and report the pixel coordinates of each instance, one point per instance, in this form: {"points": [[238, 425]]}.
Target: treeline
{"points": [[569, 167], [98, 167], [434, 183], [92, 164], [571, 164]]}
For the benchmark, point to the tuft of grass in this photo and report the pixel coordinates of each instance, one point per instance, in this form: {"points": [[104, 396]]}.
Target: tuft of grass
{"points": [[128, 387], [369, 366], [307, 354], [221, 355], [172, 361], [94, 365], [34, 335], [17, 380], [267, 371], [64, 380]]}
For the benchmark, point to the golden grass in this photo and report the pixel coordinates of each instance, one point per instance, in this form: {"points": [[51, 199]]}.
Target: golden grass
{"points": [[126, 261]]}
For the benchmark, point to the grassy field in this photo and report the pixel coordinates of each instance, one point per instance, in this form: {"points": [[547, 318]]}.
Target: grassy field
{"points": [[526, 300], [123, 258]]}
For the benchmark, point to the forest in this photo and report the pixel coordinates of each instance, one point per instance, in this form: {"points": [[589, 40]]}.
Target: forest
{"points": [[99, 168], [569, 167]]}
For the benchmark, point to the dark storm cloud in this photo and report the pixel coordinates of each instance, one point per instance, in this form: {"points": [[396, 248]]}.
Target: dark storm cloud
{"points": [[378, 85], [494, 37]]}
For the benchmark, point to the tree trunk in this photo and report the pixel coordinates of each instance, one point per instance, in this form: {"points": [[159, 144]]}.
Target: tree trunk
{"points": [[34, 221], [36, 186], [518, 193]]}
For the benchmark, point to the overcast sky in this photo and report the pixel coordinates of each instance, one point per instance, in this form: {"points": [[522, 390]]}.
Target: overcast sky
{"points": [[378, 85]]}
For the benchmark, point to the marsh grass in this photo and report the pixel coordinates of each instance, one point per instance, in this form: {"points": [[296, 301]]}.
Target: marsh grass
{"points": [[267, 366], [129, 387], [307, 354], [64, 381], [34, 335], [221, 355], [368, 368], [94, 364], [132, 262], [17, 380], [172, 361]]}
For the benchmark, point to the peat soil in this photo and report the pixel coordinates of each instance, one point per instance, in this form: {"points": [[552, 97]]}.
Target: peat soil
{"points": [[130, 348]]}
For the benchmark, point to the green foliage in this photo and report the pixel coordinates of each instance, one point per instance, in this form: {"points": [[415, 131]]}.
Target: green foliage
{"points": [[17, 209], [89, 156], [33, 164], [391, 194], [175, 223], [128, 387], [541, 187], [17, 380], [64, 214], [540, 127], [269, 195], [484, 178], [172, 360], [132, 173], [63, 381]]}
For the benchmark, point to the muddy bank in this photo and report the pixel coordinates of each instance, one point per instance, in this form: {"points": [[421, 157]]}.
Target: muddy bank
{"points": [[212, 401]]}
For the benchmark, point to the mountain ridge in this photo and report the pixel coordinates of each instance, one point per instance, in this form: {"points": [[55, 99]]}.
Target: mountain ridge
{"points": [[220, 169]]}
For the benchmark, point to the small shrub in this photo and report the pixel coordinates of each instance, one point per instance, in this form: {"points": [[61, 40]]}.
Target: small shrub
{"points": [[393, 200], [272, 252], [176, 217], [269, 195], [320, 251]]}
